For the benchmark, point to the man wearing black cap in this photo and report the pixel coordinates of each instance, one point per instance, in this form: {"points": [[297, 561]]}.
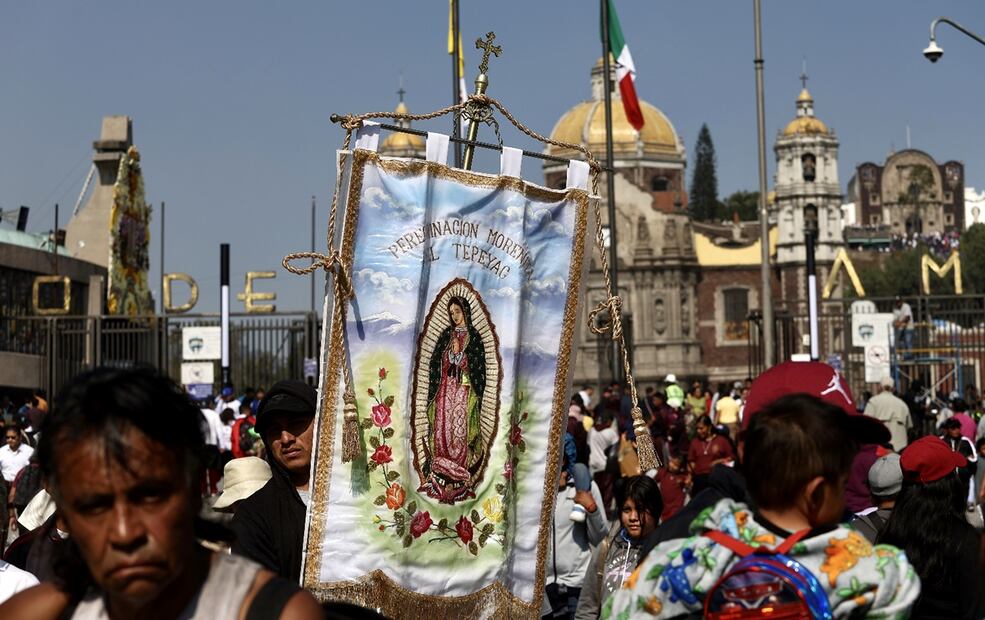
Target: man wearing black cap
{"points": [[269, 525]]}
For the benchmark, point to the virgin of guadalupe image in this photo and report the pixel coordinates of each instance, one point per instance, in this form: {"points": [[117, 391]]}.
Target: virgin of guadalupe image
{"points": [[459, 418]]}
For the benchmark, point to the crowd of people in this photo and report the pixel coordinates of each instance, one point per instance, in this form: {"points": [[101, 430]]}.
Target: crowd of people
{"points": [[779, 494]]}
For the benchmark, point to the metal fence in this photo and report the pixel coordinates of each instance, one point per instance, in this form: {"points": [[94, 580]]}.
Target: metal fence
{"points": [[947, 355], [263, 348]]}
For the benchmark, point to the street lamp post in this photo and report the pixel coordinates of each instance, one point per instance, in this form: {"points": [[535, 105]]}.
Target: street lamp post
{"points": [[933, 52], [764, 220], [810, 237]]}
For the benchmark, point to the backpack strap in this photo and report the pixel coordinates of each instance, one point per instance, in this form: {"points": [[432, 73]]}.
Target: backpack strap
{"points": [[742, 549]]}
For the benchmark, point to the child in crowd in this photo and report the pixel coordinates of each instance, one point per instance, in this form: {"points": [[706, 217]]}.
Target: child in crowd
{"points": [[797, 455], [640, 505], [674, 481]]}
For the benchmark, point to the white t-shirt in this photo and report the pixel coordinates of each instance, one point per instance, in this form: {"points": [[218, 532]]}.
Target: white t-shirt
{"points": [[215, 425], [13, 580], [599, 443], [12, 462], [904, 311]]}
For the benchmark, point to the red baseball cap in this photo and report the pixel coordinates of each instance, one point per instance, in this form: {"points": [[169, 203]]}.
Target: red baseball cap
{"points": [[816, 379], [929, 459]]}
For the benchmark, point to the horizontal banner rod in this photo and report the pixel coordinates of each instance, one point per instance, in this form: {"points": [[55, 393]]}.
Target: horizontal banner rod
{"points": [[336, 118]]}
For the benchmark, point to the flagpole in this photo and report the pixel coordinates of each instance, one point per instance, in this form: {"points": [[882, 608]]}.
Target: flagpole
{"points": [[610, 180], [769, 352], [456, 79]]}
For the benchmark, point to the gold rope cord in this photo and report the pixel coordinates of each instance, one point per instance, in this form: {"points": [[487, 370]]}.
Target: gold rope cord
{"points": [[331, 262]]}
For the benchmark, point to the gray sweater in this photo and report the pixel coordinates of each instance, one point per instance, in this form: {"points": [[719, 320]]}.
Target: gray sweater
{"points": [[572, 543], [618, 564]]}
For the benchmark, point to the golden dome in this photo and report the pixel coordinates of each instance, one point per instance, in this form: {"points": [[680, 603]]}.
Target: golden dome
{"points": [[804, 96], [805, 125], [585, 124], [399, 141]]}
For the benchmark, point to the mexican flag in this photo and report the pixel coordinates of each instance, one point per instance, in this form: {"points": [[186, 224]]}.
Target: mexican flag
{"points": [[625, 70]]}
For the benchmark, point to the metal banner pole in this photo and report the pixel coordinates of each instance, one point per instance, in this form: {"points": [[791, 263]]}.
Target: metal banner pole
{"points": [[313, 251], [162, 257], [769, 353], [610, 187], [224, 308], [457, 79]]}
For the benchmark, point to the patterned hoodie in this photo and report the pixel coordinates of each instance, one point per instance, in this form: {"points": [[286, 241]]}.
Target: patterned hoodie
{"points": [[871, 582]]}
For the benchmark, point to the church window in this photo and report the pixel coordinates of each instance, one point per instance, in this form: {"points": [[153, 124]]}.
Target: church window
{"points": [[948, 197], [874, 198], [660, 184], [808, 164], [948, 219], [875, 220], [736, 313]]}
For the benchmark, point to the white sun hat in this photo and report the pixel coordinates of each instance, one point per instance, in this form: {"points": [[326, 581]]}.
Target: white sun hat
{"points": [[241, 478]]}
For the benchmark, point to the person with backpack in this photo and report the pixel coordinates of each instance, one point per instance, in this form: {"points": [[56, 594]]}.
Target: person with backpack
{"points": [[245, 439], [615, 558], [789, 554], [885, 482]]}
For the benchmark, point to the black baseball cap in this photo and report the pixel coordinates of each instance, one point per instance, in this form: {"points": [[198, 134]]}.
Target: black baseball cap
{"points": [[288, 396]]}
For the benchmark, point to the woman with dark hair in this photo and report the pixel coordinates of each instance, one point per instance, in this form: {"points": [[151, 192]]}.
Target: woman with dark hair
{"points": [[640, 505], [707, 449], [456, 384], [929, 524]]}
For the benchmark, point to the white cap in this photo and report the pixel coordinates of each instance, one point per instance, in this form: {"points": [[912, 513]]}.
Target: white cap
{"points": [[671, 378]]}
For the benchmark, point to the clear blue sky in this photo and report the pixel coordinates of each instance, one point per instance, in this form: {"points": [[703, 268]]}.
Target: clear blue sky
{"points": [[231, 100]]}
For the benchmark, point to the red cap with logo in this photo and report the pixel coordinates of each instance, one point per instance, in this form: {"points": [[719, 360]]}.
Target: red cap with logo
{"points": [[816, 379], [929, 459]]}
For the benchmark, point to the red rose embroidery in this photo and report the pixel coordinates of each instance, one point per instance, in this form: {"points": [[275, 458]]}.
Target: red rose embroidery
{"points": [[508, 471], [382, 455], [420, 523], [382, 373], [516, 434], [381, 415], [464, 529]]}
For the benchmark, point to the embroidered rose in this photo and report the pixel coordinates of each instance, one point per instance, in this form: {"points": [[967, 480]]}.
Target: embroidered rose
{"points": [[370, 392], [516, 434], [492, 509], [395, 496], [382, 373], [420, 523], [381, 415], [464, 529], [382, 455], [508, 470]]}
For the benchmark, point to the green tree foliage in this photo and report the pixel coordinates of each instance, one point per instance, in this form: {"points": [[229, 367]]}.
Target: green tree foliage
{"points": [[972, 251], [746, 204], [897, 274], [703, 200]]}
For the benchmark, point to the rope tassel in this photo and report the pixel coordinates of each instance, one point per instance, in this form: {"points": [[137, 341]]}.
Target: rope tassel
{"points": [[350, 426]]}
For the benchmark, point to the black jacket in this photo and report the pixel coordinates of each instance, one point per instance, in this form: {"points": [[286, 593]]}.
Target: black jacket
{"points": [[269, 525]]}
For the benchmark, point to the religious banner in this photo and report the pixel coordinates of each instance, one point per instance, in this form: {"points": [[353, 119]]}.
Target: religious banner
{"points": [[458, 335], [129, 251]]}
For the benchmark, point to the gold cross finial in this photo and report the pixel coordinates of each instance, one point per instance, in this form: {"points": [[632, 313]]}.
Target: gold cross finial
{"points": [[487, 48]]}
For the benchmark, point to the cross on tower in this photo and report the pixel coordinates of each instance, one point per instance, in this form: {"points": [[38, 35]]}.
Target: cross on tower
{"points": [[803, 74], [400, 93], [487, 48]]}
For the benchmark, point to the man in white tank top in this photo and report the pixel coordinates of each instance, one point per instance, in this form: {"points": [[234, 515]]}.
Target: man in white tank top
{"points": [[121, 457]]}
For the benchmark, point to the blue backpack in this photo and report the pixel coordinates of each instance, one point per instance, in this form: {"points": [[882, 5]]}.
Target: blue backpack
{"points": [[765, 583]]}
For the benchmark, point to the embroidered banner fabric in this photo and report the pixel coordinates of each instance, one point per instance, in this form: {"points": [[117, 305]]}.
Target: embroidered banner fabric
{"points": [[458, 338]]}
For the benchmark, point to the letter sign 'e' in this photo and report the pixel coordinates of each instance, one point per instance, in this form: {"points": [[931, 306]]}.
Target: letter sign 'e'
{"points": [[248, 297]]}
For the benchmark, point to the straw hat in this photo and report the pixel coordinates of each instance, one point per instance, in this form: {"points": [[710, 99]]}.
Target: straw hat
{"points": [[241, 478]]}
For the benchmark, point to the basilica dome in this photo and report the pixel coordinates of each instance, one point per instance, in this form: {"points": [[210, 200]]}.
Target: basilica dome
{"points": [[585, 124], [400, 144]]}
